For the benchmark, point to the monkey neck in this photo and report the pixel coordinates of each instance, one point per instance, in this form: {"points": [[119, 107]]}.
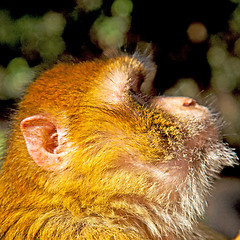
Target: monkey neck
{"points": [[131, 205]]}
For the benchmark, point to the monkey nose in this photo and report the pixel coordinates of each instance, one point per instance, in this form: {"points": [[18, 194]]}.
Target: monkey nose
{"points": [[188, 102], [177, 105], [174, 102]]}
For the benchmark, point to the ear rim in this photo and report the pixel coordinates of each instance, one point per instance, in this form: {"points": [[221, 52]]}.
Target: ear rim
{"points": [[35, 129]]}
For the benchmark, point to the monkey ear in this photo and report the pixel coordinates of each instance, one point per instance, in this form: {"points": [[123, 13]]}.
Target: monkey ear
{"points": [[44, 143]]}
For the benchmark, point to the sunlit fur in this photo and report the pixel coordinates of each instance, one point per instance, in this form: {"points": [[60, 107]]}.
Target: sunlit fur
{"points": [[133, 171]]}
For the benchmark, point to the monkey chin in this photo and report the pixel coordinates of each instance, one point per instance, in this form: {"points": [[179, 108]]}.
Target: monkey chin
{"points": [[180, 185], [180, 188]]}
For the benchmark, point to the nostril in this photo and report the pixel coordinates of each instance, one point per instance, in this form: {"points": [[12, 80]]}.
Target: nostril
{"points": [[188, 102]]}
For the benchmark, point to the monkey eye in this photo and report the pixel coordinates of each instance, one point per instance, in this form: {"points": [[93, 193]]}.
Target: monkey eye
{"points": [[136, 89], [139, 97], [135, 83]]}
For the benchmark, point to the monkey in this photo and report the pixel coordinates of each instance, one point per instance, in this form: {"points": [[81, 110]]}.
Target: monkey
{"points": [[238, 237], [93, 155]]}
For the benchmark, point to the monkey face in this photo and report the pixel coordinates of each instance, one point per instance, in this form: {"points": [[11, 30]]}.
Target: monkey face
{"points": [[169, 122]]}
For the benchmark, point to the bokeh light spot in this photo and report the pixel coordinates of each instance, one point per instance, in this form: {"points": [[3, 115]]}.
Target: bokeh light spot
{"points": [[197, 32], [109, 32], [216, 56], [18, 75], [122, 8]]}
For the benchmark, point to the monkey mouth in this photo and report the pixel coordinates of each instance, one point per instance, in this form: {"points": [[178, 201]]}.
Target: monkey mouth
{"points": [[205, 135]]}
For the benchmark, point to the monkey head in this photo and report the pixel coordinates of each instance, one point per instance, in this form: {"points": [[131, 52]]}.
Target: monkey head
{"points": [[100, 143]]}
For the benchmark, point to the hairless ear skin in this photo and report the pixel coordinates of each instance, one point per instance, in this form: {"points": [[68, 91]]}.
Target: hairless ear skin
{"points": [[43, 142]]}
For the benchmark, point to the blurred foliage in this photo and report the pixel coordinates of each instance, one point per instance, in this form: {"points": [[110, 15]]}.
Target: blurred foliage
{"points": [[15, 78], [39, 39], [110, 32], [42, 35]]}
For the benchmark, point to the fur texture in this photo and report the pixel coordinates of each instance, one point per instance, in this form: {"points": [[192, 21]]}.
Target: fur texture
{"points": [[132, 170]]}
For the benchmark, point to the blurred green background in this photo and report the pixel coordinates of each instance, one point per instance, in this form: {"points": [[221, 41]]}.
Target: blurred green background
{"points": [[196, 47]]}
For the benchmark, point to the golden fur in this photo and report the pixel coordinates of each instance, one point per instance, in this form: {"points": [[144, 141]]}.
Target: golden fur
{"points": [[130, 170]]}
